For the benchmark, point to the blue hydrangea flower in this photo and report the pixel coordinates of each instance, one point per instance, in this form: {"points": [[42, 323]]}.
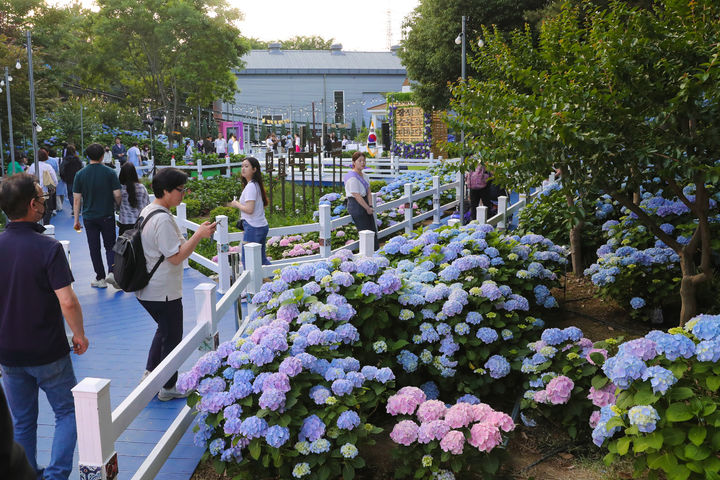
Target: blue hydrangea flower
{"points": [[644, 417], [497, 366], [487, 335], [348, 420], [660, 378], [276, 436], [623, 369], [637, 303], [312, 429]]}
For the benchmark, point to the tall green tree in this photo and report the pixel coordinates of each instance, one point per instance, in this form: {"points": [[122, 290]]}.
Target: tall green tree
{"points": [[614, 99], [300, 42], [173, 53], [429, 52]]}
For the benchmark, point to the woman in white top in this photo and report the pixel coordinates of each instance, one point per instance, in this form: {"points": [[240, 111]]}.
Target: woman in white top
{"points": [[357, 191], [233, 144], [253, 201], [47, 179]]}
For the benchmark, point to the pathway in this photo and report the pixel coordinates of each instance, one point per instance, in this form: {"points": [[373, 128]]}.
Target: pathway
{"points": [[120, 331]]}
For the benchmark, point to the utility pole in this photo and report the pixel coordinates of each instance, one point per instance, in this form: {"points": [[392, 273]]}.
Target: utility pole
{"points": [[32, 101]]}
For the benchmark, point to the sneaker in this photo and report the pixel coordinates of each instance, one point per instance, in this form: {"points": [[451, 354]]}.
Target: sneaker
{"points": [[99, 283], [144, 375], [170, 393], [110, 279]]}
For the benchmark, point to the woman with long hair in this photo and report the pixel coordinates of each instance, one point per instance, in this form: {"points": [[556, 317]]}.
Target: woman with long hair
{"points": [[252, 203], [134, 197], [357, 191], [69, 166]]}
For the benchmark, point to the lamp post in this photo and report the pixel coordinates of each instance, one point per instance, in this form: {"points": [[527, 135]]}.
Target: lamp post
{"points": [[461, 40], [33, 119], [9, 109]]}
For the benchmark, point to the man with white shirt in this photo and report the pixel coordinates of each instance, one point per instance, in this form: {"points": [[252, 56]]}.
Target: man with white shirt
{"points": [[220, 146]]}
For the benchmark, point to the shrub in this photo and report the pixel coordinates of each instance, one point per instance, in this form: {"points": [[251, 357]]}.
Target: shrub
{"points": [[232, 213], [666, 413], [376, 185]]}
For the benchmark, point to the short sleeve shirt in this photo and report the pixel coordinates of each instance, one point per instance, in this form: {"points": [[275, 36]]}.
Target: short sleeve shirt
{"points": [[161, 236], [31, 320], [354, 185], [96, 183], [257, 217]]}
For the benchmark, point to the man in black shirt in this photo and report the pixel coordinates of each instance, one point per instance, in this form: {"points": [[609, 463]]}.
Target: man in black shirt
{"points": [[35, 296]]}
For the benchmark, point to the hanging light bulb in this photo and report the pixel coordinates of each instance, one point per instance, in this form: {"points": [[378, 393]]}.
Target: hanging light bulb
{"points": [[9, 78], [17, 65], [2, 83], [38, 128]]}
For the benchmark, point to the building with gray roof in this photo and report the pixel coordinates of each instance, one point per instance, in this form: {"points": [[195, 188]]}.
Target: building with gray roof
{"points": [[283, 85]]}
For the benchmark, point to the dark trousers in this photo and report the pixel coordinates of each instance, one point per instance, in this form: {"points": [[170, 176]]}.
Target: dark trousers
{"points": [[124, 227], [363, 220], [94, 228], [169, 318]]}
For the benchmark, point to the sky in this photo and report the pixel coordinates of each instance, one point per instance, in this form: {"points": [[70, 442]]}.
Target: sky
{"points": [[359, 25]]}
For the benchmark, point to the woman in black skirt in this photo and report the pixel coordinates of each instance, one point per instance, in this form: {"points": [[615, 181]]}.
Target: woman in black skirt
{"points": [[357, 191]]}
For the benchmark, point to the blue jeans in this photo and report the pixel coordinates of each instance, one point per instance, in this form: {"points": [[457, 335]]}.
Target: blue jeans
{"points": [[255, 235], [94, 228], [21, 387]]}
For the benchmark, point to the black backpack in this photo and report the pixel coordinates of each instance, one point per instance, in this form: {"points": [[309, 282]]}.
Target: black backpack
{"points": [[130, 269]]}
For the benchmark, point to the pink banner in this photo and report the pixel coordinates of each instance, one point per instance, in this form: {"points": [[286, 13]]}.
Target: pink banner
{"points": [[236, 128]]}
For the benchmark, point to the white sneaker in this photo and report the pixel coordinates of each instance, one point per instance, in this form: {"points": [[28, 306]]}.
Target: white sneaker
{"points": [[110, 279], [99, 283], [170, 393]]}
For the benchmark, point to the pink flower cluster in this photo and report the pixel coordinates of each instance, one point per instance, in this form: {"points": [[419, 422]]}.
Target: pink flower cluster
{"points": [[557, 391], [437, 422], [307, 248], [604, 396]]}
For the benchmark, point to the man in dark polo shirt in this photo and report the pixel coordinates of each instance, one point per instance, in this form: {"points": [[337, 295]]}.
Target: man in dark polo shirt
{"points": [[35, 294], [98, 189]]}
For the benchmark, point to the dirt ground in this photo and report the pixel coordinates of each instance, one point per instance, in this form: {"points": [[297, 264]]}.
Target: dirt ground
{"points": [[544, 452]]}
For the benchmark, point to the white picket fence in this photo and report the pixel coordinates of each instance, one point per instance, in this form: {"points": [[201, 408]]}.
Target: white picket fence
{"points": [[99, 427], [377, 168]]}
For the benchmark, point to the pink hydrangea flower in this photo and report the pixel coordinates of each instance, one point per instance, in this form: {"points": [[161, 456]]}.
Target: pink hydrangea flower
{"points": [[349, 242], [602, 351], [413, 392], [559, 390], [594, 418], [404, 432], [459, 415], [604, 396], [284, 242], [484, 437], [431, 410], [433, 430], [540, 396], [500, 420], [401, 404], [453, 442], [480, 411], [340, 234]]}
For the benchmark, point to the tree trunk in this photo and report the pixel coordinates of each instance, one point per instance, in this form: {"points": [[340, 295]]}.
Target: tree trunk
{"points": [[687, 288], [576, 249]]}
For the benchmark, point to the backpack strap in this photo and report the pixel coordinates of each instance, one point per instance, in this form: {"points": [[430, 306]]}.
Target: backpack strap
{"points": [[142, 225]]}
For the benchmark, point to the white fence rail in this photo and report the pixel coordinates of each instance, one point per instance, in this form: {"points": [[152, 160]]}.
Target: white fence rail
{"points": [[99, 427]]}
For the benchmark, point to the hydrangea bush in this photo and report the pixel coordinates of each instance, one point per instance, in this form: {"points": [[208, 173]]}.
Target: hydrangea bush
{"points": [[665, 415], [639, 271], [560, 371], [436, 439], [549, 215]]}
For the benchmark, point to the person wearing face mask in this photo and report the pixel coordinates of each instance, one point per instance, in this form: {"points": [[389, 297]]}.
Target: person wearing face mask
{"points": [[34, 351]]}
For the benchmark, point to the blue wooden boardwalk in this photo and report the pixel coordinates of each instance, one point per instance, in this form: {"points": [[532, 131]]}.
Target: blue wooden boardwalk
{"points": [[120, 332]]}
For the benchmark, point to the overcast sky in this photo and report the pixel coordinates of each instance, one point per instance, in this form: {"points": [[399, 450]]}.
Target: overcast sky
{"points": [[359, 25]]}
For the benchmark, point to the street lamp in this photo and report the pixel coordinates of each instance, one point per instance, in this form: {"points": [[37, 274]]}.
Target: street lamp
{"points": [[6, 84], [460, 40]]}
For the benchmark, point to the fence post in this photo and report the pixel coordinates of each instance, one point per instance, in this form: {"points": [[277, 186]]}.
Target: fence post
{"points": [[408, 208], [223, 249], [199, 168], [395, 160], [545, 185], [458, 190], [367, 243], [205, 313], [181, 211], [96, 444], [373, 205], [502, 210], [172, 161], [522, 201], [482, 214], [253, 260], [453, 221], [436, 199], [228, 173], [551, 178], [66, 248], [325, 231]]}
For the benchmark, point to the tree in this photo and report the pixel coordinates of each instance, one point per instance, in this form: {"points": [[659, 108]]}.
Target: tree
{"points": [[353, 130], [613, 98], [300, 42], [175, 53], [429, 52]]}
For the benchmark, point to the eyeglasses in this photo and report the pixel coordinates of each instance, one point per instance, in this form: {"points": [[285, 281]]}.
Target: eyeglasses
{"points": [[182, 190]]}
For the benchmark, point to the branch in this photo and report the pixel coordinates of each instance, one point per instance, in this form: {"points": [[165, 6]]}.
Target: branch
{"points": [[678, 191]]}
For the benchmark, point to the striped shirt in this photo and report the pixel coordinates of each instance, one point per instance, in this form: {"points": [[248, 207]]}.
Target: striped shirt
{"points": [[127, 214]]}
